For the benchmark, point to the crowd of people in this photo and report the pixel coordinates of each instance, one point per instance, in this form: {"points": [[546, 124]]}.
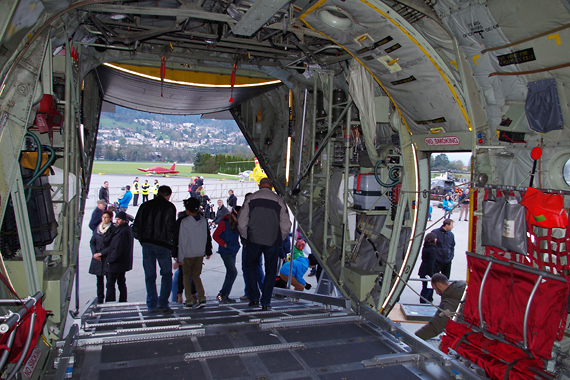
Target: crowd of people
{"points": [[261, 226], [182, 242]]}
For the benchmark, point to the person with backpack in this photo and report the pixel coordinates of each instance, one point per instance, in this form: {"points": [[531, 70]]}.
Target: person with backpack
{"points": [[227, 236]]}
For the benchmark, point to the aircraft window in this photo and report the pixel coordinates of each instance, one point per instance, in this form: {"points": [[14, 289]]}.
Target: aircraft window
{"points": [[336, 18], [566, 172], [559, 170]]}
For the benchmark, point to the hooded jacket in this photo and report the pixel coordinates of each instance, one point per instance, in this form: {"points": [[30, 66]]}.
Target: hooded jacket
{"points": [[449, 301], [194, 239], [300, 266]]}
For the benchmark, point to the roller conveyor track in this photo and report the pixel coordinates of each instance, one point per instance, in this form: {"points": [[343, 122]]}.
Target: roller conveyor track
{"points": [[294, 340]]}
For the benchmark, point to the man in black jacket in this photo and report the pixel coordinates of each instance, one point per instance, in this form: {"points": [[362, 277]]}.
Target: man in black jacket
{"points": [[155, 228], [119, 258], [445, 247], [232, 200], [264, 223], [104, 192], [97, 214]]}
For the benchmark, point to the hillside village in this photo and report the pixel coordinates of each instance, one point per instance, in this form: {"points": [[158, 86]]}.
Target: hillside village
{"points": [[191, 135], [132, 136]]}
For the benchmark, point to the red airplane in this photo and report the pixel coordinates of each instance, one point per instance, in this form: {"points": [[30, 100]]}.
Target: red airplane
{"points": [[160, 170]]}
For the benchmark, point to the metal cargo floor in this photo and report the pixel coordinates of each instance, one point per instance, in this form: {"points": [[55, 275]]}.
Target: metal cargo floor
{"points": [[294, 340]]}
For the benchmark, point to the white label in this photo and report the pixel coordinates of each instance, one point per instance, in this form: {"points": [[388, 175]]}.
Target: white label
{"points": [[509, 228], [32, 362], [449, 140]]}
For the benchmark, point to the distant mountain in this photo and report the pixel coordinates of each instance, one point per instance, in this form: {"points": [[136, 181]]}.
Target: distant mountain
{"points": [[126, 116]]}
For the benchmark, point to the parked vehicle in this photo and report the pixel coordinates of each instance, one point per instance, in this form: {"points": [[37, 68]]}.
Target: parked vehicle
{"points": [[441, 187]]}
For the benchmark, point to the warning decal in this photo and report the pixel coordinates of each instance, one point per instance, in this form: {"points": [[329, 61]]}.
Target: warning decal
{"points": [[448, 140]]}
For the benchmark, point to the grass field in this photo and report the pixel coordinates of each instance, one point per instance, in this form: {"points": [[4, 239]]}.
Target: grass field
{"points": [[120, 167]]}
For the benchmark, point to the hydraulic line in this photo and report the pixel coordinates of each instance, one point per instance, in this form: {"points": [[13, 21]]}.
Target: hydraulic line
{"points": [[391, 175], [39, 168]]}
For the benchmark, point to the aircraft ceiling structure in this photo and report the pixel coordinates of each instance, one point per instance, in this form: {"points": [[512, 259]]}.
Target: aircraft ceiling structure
{"points": [[150, 95], [490, 77]]}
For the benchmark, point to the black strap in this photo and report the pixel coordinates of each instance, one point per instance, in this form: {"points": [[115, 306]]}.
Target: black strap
{"points": [[511, 366], [462, 339]]}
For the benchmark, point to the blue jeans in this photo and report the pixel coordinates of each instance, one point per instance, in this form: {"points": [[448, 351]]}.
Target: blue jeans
{"points": [[151, 254], [253, 253], [231, 272], [174, 291], [259, 272]]}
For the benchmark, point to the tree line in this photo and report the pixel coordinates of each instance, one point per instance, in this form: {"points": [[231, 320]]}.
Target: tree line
{"points": [[187, 155], [441, 162], [221, 163]]}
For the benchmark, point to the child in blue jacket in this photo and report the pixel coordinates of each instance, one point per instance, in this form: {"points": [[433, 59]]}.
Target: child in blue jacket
{"points": [[300, 266]]}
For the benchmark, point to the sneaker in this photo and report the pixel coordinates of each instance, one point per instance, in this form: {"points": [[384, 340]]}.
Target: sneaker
{"points": [[201, 304], [189, 305], [244, 298], [265, 307], [253, 303]]}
